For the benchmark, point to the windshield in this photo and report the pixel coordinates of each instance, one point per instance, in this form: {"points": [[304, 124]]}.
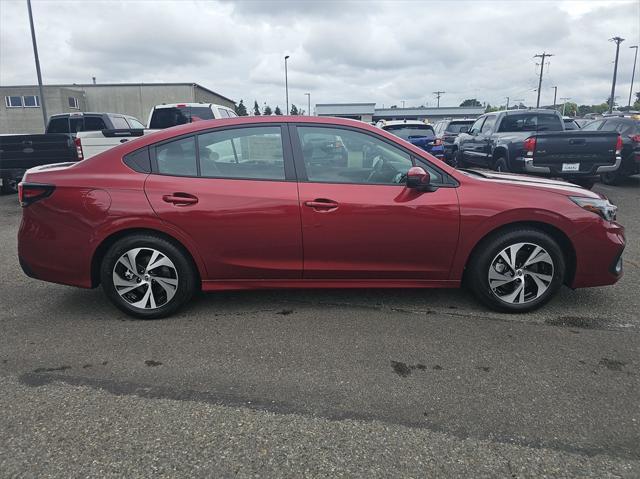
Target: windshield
{"points": [[168, 117], [410, 131]]}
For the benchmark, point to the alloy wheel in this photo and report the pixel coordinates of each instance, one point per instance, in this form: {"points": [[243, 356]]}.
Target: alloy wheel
{"points": [[145, 278], [521, 273]]}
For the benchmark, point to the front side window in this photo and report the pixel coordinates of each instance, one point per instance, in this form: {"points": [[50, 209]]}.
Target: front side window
{"points": [[119, 123], [73, 103], [133, 123], [475, 128], [336, 155], [13, 101], [31, 101], [177, 158], [488, 124], [458, 127], [247, 153]]}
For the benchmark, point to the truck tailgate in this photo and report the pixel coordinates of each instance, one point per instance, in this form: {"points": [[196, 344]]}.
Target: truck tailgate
{"points": [[21, 152], [579, 151], [95, 142]]}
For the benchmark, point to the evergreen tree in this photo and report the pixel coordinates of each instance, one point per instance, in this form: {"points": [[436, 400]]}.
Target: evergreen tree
{"points": [[267, 111], [241, 110], [278, 111], [294, 110], [256, 108]]}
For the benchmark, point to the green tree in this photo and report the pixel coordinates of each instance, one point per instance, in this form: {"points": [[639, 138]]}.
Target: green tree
{"points": [[570, 108], [241, 110], [584, 109], [267, 111], [256, 108], [471, 102], [278, 111], [294, 110]]}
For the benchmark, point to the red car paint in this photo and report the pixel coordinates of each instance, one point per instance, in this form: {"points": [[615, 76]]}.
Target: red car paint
{"points": [[245, 234]]}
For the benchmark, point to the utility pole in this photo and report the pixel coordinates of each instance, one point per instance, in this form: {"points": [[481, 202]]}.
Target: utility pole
{"points": [[507, 107], [308, 104], [35, 54], [564, 102], [438, 94], [542, 56], [633, 74], [555, 93], [618, 41], [402, 103], [286, 83]]}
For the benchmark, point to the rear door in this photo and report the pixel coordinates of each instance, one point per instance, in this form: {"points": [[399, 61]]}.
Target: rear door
{"points": [[358, 219], [233, 192], [468, 143]]}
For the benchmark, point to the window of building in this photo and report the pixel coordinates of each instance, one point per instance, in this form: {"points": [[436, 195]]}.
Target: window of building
{"points": [[13, 101], [73, 103], [31, 101]]}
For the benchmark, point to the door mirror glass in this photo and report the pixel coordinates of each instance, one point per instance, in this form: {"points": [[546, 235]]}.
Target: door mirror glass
{"points": [[419, 179]]}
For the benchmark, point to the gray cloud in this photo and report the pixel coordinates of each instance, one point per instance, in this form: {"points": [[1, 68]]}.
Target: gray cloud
{"points": [[340, 51]]}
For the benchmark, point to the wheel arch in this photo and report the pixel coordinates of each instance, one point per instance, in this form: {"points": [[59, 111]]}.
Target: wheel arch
{"points": [[108, 241], [564, 242]]}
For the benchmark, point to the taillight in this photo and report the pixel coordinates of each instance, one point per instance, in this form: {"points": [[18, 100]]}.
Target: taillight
{"points": [[530, 145], [619, 145], [635, 138], [79, 153], [29, 193]]}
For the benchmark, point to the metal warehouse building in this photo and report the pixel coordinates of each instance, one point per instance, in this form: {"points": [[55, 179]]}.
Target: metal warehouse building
{"points": [[20, 111], [368, 112]]}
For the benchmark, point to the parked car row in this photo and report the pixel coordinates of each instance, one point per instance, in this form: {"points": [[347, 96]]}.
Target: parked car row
{"points": [[77, 136]]}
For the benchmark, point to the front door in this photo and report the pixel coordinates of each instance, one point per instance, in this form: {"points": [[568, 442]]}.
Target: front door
{"points": [[233, 192], [358, 219]]}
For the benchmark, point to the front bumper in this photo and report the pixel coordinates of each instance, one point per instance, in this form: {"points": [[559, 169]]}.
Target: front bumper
{"points": [[598, 251]]}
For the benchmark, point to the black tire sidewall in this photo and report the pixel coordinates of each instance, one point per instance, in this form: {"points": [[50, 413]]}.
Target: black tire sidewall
{"points": [[477, 278], [184, 267], [502, 161]]}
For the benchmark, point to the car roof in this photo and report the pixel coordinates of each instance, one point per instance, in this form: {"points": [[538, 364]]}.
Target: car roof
{"points": [[403, 122], [190, 105]]}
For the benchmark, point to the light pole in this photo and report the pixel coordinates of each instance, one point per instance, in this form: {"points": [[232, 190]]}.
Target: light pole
{"points": [[633, 74], [286, 82], [308, 104], [35, 54], [617, 41], [555, 93]]}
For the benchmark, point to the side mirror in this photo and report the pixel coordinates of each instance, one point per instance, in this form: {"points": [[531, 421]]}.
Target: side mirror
{"points": [[418, 179]]}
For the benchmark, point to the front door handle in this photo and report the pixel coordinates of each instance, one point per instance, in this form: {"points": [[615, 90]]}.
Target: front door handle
{"points": [[180, 199], [322, 204]]}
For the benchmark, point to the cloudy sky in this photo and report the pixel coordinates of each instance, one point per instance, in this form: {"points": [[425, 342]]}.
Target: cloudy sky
{"points": [[341, 51]]}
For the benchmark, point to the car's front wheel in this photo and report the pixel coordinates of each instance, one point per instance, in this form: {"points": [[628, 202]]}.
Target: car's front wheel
{"points": [[147, 276], [516, 270]]}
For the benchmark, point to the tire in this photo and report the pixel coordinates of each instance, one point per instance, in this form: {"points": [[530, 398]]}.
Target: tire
{"points": [[612, 178], [9, 186], [501, 165], [489, 274], [459, 160], [163, 289]]}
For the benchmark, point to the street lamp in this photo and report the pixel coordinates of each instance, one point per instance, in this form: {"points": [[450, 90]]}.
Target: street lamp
{"points": [[308, 104], [286, 82], [633, 73]]}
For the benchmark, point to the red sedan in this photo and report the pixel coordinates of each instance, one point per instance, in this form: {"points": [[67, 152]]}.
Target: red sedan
{"points": [[249, 203]]}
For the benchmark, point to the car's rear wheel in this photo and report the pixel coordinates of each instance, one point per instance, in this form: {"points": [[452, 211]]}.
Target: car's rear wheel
{"points": [[147, 276], [501, 165], [459, 160], [517, 270], [612, 178]]}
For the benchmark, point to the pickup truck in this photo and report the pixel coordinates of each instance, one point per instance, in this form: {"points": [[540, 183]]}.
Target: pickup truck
{"points": [[68, 137], [536, 142]]}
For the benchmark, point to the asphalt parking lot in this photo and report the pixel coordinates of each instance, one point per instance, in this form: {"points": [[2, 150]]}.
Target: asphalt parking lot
{"points": [[366, 383]]}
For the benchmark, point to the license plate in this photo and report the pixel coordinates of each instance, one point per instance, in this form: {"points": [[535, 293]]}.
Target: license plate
{"points": [[570, 166]]}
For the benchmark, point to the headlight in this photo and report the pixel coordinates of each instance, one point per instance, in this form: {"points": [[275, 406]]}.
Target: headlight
{"points": [[601, 207]]}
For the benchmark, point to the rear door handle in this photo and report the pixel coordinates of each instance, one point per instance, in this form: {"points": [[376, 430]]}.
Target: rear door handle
{"points": [[322, 204], [180, 199]]}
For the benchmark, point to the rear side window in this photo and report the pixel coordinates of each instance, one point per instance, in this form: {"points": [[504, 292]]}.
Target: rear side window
{"points": [[94, 123], [139, 161], [249, 153], [119, 123], [168, 117], [58, 125], [177, 158], [593, 126]]}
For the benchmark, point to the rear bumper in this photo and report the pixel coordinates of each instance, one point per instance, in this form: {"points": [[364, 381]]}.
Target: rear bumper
{"points": [[527, 165], [599, 251]]}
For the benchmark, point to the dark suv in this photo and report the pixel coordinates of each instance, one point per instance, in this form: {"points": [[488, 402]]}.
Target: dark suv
{"points": [[447, 131], [629, 129]]}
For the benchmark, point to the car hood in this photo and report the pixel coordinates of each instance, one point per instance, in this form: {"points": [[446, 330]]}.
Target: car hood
{"points": [[527, 181]]}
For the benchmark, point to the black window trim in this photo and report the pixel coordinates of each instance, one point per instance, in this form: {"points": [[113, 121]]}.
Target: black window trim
{"points": [[289, 169], [448, 180]]}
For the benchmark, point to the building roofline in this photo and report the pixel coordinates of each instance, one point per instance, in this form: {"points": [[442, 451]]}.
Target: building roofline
{"points": [[84, 85], [344, 104]]}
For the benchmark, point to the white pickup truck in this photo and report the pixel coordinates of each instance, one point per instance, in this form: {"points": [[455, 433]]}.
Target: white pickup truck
{"points": [[90, 143]]}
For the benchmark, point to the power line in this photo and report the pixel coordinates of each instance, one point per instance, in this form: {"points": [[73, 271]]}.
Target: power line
{"points": [[542, 56], [438, 94]]}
